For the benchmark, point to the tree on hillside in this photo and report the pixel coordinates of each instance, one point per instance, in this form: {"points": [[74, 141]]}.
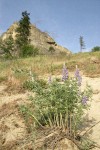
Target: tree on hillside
{"points": [[8, 47], [23, 30], [20, 46], [82, 44], [22, 37], [96, 49]]}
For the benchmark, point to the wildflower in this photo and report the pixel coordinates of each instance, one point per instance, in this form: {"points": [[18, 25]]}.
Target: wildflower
{"points": [[78, 77], [84, 100], [64, 73]]}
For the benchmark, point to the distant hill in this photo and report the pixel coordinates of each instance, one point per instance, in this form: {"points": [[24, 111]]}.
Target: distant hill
{"points": [[38, 38]]}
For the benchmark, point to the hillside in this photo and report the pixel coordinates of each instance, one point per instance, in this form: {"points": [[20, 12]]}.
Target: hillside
{"points": [[37, 38], [15, 133]]}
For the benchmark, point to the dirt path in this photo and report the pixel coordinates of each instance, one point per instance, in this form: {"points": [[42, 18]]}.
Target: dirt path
{"points": [[12, 126]]}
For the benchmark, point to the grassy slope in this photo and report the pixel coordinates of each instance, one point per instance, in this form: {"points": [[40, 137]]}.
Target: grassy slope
{"points": [[18, 70], [88, 63]]}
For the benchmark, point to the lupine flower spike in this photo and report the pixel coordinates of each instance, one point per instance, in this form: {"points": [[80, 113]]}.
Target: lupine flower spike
{"points": [[84, 100], [77, 76], [64, 73]]}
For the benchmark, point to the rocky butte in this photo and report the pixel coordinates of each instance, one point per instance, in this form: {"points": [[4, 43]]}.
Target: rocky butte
{"points": [[39, 39]]}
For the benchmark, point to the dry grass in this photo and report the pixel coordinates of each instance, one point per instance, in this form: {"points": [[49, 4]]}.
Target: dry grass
{"points": [[17, 71]]}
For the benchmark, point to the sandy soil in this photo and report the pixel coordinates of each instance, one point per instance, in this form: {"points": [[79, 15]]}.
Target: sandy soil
{"points": [[94, 112], [12, 125]]}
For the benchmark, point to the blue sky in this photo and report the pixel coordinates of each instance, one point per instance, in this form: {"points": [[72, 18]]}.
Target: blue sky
{"points": [[64, 20]]}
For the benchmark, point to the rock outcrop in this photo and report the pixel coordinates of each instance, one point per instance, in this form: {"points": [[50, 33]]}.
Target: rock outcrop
{"points": [[37, 38]]}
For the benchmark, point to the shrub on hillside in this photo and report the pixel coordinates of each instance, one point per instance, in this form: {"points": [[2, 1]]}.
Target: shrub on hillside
{"points": [[96, 49], [51, 49], [8, 47], [29, 50]]}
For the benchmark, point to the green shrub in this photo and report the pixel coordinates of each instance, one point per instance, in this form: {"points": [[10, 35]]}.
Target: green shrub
{"points": [[96, 49], [35, 86], [29, 50], [51, 49], [8, 47], [29, 85]]}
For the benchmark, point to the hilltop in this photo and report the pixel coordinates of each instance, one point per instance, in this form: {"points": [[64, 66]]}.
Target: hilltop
{"points": [[39, 39]]}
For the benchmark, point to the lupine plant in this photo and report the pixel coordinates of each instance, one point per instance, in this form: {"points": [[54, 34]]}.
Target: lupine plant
{"points": [[78, 77], [59, 104], [64, 73]]}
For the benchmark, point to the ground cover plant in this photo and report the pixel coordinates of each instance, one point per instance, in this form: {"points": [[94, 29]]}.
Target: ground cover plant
{"points": [[58, 103]]}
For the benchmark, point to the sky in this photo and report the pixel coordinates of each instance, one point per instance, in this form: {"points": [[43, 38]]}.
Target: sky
{"points": [[64, 20]]}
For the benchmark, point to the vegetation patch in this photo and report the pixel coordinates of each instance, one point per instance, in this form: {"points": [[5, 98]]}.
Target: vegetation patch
{"points": [[58, 105]]}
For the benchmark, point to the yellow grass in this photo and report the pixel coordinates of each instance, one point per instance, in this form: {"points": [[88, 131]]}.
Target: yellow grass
{"points": [[88, 63]]}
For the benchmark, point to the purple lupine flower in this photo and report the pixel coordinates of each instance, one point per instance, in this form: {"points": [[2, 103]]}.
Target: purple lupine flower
{"points": [[49, 79], [64, 73], [78, 77], [84, 100]]}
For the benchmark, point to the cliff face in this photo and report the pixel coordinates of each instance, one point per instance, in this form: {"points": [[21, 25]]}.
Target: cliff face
{"points": [[10, 31], [38, 38]]}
